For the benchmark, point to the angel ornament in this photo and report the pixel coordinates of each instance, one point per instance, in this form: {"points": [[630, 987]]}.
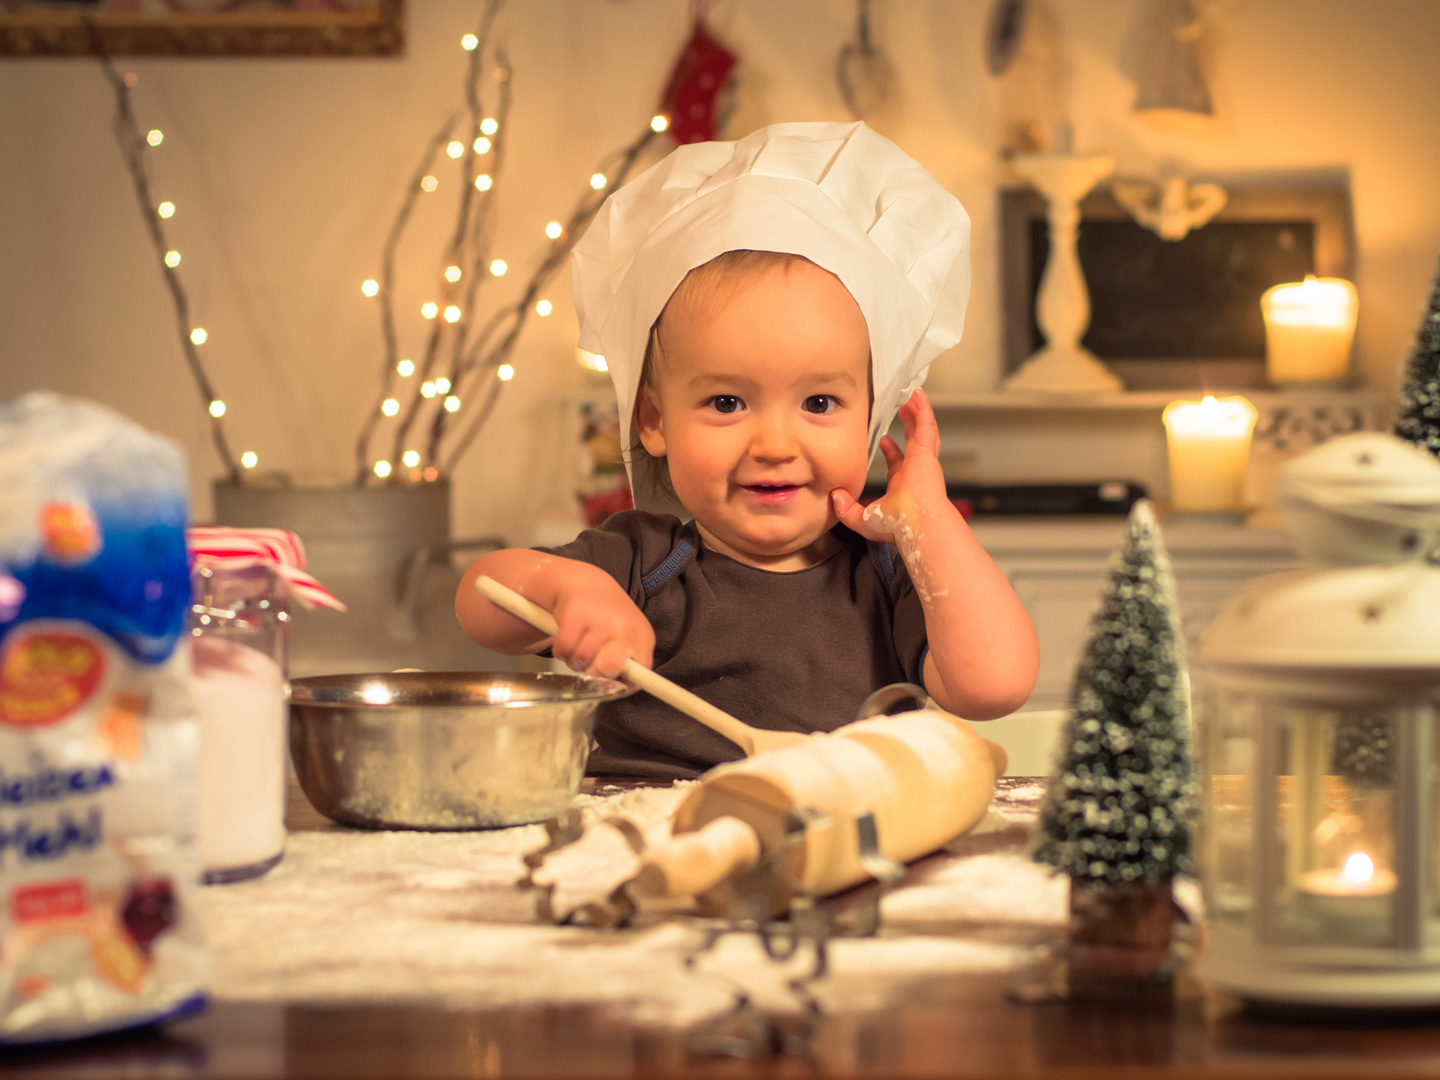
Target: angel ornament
{"points": [[1170, 209]]}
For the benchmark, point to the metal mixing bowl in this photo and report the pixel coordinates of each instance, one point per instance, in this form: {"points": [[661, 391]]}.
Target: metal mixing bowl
{"points": [[443, 750]]}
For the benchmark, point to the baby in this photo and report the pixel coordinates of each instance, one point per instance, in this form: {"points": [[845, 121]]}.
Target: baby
{"points": [[764, 307]]}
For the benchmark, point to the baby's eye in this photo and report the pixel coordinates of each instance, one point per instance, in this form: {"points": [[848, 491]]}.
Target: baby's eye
{"points": [[820, 404], [726, 403]]}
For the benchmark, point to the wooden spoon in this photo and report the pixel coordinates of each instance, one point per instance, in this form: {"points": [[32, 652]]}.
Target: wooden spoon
{"points": [[751, 740]]}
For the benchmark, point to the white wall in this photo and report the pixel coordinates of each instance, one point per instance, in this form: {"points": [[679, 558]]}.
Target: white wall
{"points": [[286, 173]]}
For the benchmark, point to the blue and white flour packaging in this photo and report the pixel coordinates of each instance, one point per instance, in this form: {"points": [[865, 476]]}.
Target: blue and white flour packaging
{"points": [[98, 926]]}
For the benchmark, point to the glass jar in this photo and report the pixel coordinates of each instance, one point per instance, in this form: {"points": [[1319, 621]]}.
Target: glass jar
{"points": [[239, 628]]}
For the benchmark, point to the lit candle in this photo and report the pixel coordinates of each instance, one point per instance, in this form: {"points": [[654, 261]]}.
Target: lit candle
{"points": [[1357, 890], [1209, 445], [1309, 327]]}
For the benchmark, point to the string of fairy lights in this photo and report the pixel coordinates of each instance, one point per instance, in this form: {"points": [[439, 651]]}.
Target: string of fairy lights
{"points": [[457, 377], [135, 147], [464, 363]]}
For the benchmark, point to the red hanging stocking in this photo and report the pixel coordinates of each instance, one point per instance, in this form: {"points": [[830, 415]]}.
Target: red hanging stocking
{"points": [[695, 82]]}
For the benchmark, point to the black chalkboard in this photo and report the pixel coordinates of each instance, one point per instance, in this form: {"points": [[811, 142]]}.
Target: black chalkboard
{"points": [[1195, 298], [1158, 302]]}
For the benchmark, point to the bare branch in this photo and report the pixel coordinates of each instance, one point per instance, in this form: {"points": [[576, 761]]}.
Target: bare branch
{"points": [[387, 295], [580, 217], [472, 204], [132, 149], [475, 348], [478, 265]]}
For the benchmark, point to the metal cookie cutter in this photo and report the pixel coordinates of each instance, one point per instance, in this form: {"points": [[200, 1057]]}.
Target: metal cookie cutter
{"points": [[562, 831]]}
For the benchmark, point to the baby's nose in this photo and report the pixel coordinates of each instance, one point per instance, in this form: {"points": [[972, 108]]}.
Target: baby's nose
{"points": [[774, 440]]}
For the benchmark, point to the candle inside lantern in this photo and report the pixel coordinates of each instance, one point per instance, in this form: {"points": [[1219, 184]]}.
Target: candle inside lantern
{"points": [[1209, 445], [1309, 327], [1353, 897], [1358, 877]]}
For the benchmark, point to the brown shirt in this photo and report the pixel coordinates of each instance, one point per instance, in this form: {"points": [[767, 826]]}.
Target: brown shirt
{"points": [[796, 651]]}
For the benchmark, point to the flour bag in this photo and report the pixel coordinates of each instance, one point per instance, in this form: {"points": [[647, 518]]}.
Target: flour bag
{"points": [[98, 926]]}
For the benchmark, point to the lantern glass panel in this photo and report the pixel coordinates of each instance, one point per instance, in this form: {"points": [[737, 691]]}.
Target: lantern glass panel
{"points": [[1430, 716], [1335, 802], [1229, 722]]}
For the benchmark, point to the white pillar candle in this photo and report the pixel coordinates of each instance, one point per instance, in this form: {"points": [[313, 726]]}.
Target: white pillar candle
{"points": [[1309, 327], [1209, 445]]}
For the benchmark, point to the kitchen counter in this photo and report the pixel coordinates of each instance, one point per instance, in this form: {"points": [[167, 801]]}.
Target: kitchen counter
{"points": [[937, 1010]]}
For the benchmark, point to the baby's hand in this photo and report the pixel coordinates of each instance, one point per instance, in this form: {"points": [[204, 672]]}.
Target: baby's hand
{"points": [[599, 627], [914, 486]]}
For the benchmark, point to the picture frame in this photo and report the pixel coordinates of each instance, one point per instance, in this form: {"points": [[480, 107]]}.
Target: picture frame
{"points": [[37, 28], [1176, 314]]}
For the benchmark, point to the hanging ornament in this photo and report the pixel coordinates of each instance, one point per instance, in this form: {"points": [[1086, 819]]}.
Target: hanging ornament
{"points": [[690, 96], [1170, 76], [863, 71], [1003, 31], [1171, 209]]}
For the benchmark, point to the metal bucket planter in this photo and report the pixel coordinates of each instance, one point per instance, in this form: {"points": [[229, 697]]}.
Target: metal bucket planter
{"points": [[386, 552]]}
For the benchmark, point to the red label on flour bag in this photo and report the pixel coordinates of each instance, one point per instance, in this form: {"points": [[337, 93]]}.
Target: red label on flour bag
{"points": [[46, 677], [52, 900]]}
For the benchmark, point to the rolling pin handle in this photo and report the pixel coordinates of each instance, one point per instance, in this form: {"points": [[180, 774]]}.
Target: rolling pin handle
{"points": [[695, 862]]}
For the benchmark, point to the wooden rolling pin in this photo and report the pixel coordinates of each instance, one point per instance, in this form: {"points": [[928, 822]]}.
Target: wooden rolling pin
{"points": [[750, 740], [922, 777]]}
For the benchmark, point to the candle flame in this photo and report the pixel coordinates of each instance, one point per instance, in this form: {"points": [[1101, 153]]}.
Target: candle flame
{"points": [[1312, 302], [1213, 417], [1359, 869]]}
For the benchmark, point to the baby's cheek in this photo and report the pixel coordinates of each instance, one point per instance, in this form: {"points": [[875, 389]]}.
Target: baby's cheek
{"points": [[849, 464]]}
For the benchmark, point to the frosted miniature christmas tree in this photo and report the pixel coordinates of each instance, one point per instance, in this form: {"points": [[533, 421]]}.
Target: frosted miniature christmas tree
{"points": [[1418, 416], [1118, 806], [1363, 751]]}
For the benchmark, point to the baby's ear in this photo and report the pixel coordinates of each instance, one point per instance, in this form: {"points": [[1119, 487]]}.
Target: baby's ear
{"points": [[649, 424]]}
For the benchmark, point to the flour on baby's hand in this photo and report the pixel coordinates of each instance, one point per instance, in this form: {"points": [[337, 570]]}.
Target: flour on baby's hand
{"points": [[907, 539]]}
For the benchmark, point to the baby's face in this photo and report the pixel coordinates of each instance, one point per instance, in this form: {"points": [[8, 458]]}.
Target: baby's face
{"points": [[761, 406]]}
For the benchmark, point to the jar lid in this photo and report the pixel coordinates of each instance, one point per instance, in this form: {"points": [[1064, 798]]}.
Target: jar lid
{"points": [[1358, 616], [221, 547]]}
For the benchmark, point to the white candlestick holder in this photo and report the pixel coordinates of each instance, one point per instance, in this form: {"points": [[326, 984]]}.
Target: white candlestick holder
{"points": [[1062, 307]]}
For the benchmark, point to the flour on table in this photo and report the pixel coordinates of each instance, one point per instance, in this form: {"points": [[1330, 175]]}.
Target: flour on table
{"points": [[352, 916], [1003, 887], [602, 859]]}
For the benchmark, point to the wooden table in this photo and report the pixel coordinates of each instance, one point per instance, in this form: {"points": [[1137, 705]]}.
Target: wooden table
{"points": [[961, 1026]]}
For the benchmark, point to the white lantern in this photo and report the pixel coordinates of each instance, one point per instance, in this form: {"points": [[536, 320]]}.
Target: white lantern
{"points": [[1318, 705]]}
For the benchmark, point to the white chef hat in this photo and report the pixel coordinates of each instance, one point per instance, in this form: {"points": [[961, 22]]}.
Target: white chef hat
{"points": [[842, 196]]}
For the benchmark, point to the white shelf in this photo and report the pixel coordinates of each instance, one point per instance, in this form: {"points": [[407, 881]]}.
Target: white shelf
{"points": [[1145, 400], [1188, 534], [999, 401]]}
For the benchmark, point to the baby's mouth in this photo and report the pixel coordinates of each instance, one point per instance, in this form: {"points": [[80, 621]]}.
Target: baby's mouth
{"points": [[771, 493]]}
